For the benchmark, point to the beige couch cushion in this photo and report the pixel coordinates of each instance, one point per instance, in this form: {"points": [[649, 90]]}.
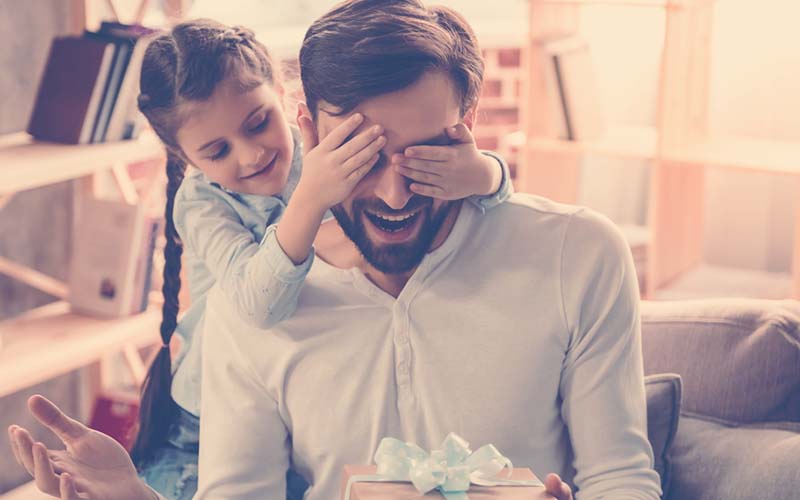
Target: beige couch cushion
{"points": [[739, 359]]}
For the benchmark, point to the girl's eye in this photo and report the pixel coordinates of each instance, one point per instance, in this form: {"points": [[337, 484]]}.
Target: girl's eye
{"points": [[260, 126], [223, 151]]}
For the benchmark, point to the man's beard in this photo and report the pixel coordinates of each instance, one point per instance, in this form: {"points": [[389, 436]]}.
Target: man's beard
{"points": [[391, 258]]}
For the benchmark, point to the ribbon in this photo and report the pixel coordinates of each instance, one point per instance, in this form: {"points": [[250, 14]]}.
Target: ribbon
{"points": [[451, 469]]}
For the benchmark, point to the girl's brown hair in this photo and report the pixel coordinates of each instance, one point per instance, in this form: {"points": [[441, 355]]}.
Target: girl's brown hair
{"points": [[182, 67]]}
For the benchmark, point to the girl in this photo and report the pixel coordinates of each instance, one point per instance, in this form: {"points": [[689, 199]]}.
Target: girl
{"points": [[244, 216]]}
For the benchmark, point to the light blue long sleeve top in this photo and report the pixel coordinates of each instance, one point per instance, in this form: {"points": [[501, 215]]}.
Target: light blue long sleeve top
{"points": [[230, 238]]}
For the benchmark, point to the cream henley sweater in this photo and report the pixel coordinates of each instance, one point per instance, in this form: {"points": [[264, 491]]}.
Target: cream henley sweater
{"points": [[521, 330]]}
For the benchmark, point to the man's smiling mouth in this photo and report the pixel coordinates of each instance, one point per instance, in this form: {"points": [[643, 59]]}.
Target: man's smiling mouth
{"points": [[393, 223]]}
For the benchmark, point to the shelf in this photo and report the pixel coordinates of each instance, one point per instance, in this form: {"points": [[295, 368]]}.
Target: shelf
{"points": [[770, 156], [634, 142], [706, 281], [27, 491], [27, 164], [779, 157], [50, 341]]}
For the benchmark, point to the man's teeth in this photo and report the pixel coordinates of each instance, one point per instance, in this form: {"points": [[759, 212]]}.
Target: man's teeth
{"points": [[395, 218]]}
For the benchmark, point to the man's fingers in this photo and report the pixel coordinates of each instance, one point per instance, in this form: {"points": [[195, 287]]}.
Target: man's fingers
{"points": [[24, 443], [13, 442], [340, 134], [67, 488], [460, 134], [46, 479], [54, 419], [358, 143]]}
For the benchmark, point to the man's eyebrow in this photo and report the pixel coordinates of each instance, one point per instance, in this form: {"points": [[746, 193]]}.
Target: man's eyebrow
{"points": [[211, 142]]}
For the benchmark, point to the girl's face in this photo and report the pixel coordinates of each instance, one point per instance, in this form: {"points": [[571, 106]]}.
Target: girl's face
{"points": [[240, 140]]}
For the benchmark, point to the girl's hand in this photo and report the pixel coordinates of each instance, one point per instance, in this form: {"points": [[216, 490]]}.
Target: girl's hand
{"points": [[333, 167], [94, 466], [450, 172]]}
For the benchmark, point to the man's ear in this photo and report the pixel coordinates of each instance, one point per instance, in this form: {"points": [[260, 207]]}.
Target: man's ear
{"points": [[471, 117], [308, 129]]}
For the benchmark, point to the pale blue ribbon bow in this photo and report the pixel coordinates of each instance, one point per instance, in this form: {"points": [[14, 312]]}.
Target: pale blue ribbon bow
{"points": [[450, 469]]}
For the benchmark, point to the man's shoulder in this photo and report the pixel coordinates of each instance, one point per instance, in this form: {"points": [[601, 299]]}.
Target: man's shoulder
{"points": [[547, 220], [530, 214]]}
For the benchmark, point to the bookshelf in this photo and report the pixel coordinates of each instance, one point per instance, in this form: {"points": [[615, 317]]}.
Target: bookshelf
{"points": [[679, 149], [27, 164], [51, 340]]}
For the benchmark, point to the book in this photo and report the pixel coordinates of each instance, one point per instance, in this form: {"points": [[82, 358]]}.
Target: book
{"points": [[123, 48], [123, 120], [116, 413], [144, 267], [148, 273], [106, 247], [557, 125], [577, 93], [71, 90]]}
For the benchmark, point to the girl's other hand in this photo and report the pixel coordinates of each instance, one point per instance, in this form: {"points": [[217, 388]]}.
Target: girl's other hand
{"points": [[450, 172]]}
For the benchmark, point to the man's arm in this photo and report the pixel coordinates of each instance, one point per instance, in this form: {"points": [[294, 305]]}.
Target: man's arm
{"points": [[244, 451], [602, 381]]}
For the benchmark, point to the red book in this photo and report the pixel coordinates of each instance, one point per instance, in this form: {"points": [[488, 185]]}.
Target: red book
{"points": [[115, 413], [71, 90]]}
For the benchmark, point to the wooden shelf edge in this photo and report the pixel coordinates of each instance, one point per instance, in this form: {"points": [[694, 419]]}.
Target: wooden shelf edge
{"points": [[630, 142], [26, 164], [51, 340], [756, 155]]}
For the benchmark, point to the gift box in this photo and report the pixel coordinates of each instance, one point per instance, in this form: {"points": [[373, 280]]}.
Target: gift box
{"points": [[407, 491]]}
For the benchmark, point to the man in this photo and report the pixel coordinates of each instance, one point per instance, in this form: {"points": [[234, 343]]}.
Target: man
{"points": [[518, 327]]}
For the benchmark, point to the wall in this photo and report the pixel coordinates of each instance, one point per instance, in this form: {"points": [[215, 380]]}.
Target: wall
{"points": [[34, 226]]}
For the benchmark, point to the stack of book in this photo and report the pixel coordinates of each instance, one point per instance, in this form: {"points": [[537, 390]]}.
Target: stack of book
{"points": [[89, 87], [575, 105], [111, 263]]}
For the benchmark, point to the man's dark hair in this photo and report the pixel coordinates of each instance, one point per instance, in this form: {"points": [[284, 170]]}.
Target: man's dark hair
{"points": [[366, 48]]}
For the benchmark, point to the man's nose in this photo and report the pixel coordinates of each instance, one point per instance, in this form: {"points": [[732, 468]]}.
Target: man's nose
{"points": [[392, 188]]}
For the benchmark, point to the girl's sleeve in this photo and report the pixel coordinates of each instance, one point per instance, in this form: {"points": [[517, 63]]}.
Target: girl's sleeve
{"points": [[257, 276], [505, 190]]}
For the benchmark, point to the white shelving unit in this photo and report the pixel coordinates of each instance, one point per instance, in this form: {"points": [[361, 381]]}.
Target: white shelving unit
{"points": [[679, 149]]}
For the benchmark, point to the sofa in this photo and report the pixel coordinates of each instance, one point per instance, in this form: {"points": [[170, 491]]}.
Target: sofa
{"points": [[723, 386]]}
